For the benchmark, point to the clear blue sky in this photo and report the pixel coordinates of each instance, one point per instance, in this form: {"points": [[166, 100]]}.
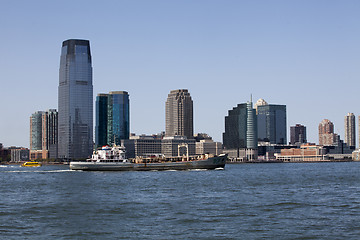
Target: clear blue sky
{"points": [[305, 54]]}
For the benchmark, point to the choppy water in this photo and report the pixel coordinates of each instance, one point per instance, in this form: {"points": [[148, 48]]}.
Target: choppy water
{"points": [[244, 201]]}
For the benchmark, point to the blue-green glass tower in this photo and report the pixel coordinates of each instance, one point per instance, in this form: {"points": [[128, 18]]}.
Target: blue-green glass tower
{"points": [[118, 121]]}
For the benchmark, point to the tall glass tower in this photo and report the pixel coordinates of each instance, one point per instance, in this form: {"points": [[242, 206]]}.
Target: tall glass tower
{"points": [[112, 118], [75, 101], [118, 122], [240, 127], [101, 116]]}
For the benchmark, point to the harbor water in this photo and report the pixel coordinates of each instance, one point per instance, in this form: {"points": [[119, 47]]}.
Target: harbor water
{"points": [[243, 201]]}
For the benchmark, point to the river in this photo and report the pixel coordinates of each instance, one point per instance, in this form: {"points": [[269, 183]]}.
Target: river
{"points": [[244, 201]]}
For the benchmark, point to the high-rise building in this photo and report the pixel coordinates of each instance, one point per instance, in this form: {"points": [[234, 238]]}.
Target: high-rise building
{"points": [[240, 128], [112, 118], [44, 134], [179, 114], [326, 133], [101, 116], [50, 134], [350, 136], [75, 100], [271, 123], [36, 131], [297, 134], [118, 122]]}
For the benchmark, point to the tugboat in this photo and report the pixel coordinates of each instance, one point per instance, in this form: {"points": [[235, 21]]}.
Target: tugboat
{"points": [[113, 159]]}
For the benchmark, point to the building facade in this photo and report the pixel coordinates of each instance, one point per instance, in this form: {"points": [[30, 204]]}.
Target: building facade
{"points": [[179, 114], [36, 131], [118, 122], [44, 134], [112, 118], [142, 146], [101, 120], [20, 154], [326, 133], [298, 134], [75, 101], [271, 123], [50, 134], [177, 146], [207, 146], [241, 128], [349, 125]]}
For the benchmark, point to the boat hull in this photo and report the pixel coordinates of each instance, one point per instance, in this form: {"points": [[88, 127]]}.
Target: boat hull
{"points": [[210, 163]]}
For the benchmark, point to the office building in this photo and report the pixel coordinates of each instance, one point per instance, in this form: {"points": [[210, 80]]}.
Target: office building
{"points": [[75, 100], [271, 122], [240, 127], [142, 146], [177, 146], [112, 118], [50, 134], [101, 115], [179, 114], [349, 124], [19, 154], [118, 122], [326, 133], [298, 134], [208, 146]]}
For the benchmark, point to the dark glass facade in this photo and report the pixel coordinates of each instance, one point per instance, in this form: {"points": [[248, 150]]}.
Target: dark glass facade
{"points": [[75, 101], [272, 123], [239, 133], [118, 121], [101, 120]]}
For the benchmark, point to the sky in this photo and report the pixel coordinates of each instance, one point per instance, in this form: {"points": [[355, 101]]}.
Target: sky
{"points": [[304, 54]]}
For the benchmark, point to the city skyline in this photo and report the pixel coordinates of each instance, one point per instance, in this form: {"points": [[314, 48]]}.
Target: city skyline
{"points": [[221, 52]]}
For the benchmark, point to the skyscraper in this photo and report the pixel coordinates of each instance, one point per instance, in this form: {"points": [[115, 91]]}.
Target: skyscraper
{"points": [[36, 131], [179, 114], [297, 134], [240, 127], [118, 122], [75, 100], [271, 119], [44, 133], [101, 116], [326, 133], [350, 136], [50, 134], [112, 118]]}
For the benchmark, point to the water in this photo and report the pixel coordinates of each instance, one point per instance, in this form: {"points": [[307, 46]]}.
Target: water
{"points": [[244, 201]]}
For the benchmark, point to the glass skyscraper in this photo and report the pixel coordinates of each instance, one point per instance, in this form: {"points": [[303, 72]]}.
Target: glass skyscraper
{"points": [[112, 118], [101, 120], [271, 120], [75, 101], [118, 117], [240, 127]]}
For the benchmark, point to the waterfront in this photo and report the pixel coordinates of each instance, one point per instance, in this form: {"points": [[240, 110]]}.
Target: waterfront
{"points": [[244, 201]]}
